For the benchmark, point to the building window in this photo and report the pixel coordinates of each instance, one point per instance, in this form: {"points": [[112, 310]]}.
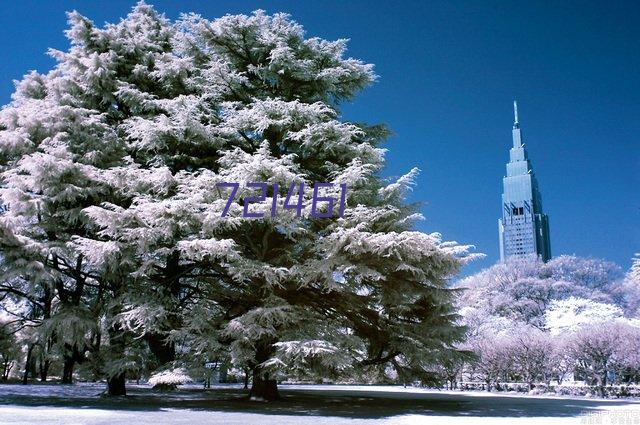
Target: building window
{"points": [[517, 211]]}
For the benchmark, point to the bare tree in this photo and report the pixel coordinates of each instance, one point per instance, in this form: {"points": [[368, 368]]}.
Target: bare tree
{"points": [[531, 352], [561, 362], [493, 359], [594, 349]]}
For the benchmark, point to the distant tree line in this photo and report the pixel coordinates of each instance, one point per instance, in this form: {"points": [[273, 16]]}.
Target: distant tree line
{"points": [[540, 323]]}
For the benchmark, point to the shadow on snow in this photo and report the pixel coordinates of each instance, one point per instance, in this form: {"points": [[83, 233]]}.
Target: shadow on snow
{"points": [[323, 401]]}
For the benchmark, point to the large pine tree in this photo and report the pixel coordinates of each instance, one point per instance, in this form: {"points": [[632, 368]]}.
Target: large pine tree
{"points": [[110, 167]]}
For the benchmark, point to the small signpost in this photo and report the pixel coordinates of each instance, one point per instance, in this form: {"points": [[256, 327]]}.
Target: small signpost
{"points": [[209, 369]]}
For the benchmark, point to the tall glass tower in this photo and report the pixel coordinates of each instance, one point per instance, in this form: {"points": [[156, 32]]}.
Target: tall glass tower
{"points": [[523, 228]]}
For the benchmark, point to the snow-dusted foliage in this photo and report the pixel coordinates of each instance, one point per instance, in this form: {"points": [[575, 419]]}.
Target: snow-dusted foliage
{"points": [[536, 322], [606, 350], [520, 290], [169, 379], [109, 166], [9, 349], [629, 289], [598, 353], [634, 271], [573, 313]]}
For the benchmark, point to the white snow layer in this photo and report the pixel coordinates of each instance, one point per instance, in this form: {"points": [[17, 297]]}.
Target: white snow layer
{"points": [[303, 404]]}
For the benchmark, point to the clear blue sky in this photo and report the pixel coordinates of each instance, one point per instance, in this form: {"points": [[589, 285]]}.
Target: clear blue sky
{"points": [[448, 74]]}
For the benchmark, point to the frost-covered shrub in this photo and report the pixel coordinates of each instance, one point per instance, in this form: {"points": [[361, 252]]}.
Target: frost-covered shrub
{"points": [[169, 380], [581, 390]]}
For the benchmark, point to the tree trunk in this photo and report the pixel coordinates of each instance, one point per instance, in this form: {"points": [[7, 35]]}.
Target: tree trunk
{"points": [[601, 380], [116, 385], [25, 377], [169, 280], [453, 383], [163, 351], [263, 388], [117, 343], [6, 369], [44, 369], [96, 369], [71, 357], [33, 365], [246, 379], [67, 370]]}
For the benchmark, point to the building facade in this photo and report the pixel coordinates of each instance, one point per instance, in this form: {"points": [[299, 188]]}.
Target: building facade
{"points": [[523, 228]]}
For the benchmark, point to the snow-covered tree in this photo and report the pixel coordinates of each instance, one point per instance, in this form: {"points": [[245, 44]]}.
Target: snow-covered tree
{"points": [[60, 144], [569, 315], [561, 362], [595, 350], [531, 351], [110, 167], [522, 353], [520, 290], [629, 289], [586, 277], [520, 313], [9, 349], [634, 271], [628, 352], [493, 358]]}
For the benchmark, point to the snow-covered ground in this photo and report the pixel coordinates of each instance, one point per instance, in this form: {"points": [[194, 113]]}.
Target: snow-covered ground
{"points": [[301, 404]]}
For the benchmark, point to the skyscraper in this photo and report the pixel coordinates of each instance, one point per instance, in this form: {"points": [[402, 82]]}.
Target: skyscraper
{"points": [[523, 228]]}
